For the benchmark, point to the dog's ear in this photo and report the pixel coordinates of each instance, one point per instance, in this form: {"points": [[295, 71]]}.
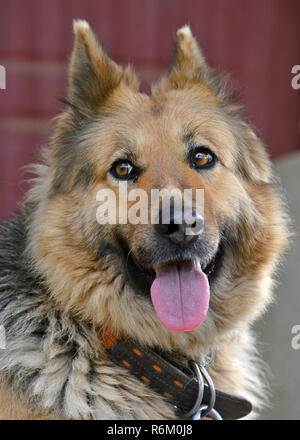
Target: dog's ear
{"points": [[92, 74], [187, 59], [188, 66]]}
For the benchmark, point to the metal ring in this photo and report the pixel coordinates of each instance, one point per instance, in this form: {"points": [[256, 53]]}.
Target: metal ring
{"points": [[199, 399], [212, 390], [213, 413], [200, 410]]}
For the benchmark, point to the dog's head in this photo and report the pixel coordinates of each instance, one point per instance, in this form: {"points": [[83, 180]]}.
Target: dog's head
{"points": [[188, 135]]}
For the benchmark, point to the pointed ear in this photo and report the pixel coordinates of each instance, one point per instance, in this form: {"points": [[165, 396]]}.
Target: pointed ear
{"points": [[188, 61], [92, 74], [188, 67]]}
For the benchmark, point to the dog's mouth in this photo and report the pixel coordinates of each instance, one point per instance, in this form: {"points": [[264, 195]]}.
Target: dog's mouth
{"points": [[209, 269], [179, 289]]}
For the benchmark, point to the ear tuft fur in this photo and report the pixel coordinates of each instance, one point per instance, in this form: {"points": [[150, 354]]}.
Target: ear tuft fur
{"points": [[187, 57], [188, 68], [79, 25], [92, 74]]}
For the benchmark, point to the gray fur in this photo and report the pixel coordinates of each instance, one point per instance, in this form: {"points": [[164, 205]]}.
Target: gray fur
{"points": [[51, 359]]}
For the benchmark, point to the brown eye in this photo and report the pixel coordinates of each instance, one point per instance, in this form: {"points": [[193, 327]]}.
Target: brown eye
{"points": [[124, 170], [202, 157]]}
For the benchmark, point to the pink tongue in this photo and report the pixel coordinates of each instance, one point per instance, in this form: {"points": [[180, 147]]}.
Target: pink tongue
{"points": [[180, 296]]}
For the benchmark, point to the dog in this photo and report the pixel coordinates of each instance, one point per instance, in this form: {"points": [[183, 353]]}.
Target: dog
{"points": [[88, 306]]}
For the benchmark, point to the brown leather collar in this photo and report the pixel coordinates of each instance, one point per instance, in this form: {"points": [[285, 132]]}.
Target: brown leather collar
{"points": [[170, 377]]}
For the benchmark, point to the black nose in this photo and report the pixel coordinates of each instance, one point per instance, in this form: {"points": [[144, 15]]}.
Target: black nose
{"points": [[180, 227]]}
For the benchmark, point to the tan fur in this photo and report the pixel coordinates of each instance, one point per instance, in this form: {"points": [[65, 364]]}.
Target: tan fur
{"points": [[14, 407], [239, 189]]}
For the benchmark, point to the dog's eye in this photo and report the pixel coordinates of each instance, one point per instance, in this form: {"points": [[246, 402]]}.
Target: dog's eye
{"points": [[124, 170], [202, 157]]}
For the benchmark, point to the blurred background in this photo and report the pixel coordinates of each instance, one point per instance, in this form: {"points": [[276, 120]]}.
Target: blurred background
{"points": [[256, 41]]}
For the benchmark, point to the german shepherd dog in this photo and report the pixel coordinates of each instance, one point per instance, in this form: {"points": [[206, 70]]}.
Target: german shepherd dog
{"points": [[73, 288]]}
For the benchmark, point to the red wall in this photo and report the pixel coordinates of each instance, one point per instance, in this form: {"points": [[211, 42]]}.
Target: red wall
{"points": [[258, 41]]}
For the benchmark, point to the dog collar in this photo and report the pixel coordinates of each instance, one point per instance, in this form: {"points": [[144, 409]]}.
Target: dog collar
{"points": [[174, 378]]}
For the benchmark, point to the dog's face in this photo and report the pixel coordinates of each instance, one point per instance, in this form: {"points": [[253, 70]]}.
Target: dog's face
{"points": [[186, 136]]}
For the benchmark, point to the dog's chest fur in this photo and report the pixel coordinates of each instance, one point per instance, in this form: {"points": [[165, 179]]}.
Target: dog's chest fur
{"points": [[53, 361]]}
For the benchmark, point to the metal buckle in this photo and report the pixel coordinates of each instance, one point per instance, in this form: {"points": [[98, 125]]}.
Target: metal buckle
{"points": [[200, 410]]}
